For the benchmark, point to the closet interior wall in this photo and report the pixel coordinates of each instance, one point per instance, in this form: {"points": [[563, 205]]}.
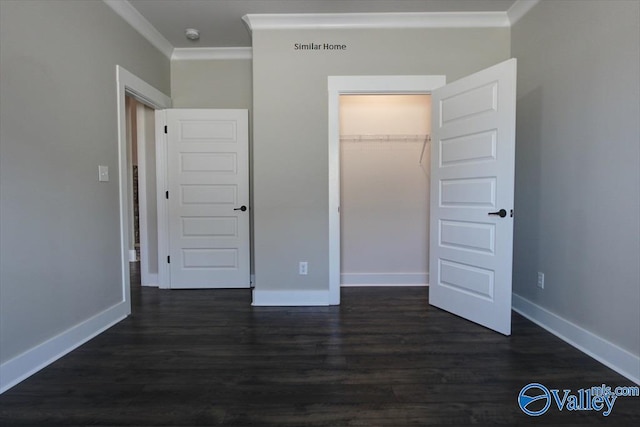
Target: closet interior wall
{"points": [[384, 189]]}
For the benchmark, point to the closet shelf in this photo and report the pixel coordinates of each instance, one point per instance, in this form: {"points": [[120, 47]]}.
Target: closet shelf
{"points": [[385, 138]]}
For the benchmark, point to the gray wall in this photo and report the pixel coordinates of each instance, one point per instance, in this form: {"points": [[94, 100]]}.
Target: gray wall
{"points": [[60, 252], [211, 83], [578, 164], [290, 151]]}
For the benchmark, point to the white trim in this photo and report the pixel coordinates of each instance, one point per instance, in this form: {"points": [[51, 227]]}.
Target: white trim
{"points": [[133, 256], [290, 298], [384, 84], [382, 285], [141, 90], [144, 132], [207, 53], [164, 273], [297, 21], [31, 361], [130, 14], [605, 352], [143, 232], [134, 18], [338, 85], [519, 9], [384, 279], [129, 84], [152, 281], [131, 115]]}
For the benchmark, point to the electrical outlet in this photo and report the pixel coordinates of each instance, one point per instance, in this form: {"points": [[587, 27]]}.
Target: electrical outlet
{"points": [[303, 268], [540, 280], [103, 173]]}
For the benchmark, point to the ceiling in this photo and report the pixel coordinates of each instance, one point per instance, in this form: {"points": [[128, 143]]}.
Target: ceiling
{"points": [[220, 21]]}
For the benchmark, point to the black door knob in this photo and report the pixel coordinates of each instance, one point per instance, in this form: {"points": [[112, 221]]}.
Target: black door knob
{"points": [[244, 208], [501, 213]]}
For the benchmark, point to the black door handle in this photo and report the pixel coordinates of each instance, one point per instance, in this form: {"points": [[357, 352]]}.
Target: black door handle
{"points": [[501, 213], [244, 208]]}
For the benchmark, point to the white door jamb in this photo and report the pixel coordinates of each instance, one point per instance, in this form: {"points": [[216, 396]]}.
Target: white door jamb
{"points": [[342, 85], [129, 84]]}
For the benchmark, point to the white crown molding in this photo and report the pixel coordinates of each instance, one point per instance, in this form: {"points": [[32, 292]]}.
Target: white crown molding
{"points": [[519, 9], [376, 20], [130, 14], [321, 21], [205, 53]]}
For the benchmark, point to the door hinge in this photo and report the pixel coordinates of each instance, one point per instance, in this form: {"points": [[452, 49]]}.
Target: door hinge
{"points": [[166, 194], [165, 128], [168, 259]]}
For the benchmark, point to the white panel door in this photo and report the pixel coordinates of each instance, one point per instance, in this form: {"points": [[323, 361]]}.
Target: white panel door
{"points": [[472, 185], [208, 181]]}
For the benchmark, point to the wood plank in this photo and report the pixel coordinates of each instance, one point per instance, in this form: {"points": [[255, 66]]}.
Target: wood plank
{"points": [[384, 357]]}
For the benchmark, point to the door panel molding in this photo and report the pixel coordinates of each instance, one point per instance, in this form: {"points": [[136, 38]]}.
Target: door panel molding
{"points": [[472, 189], [162, 206], [203, 160]]}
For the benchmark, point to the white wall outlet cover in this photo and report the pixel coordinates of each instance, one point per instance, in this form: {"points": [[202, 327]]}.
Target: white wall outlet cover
{"points": [[540, 280], [303, 268], [103, 173]]}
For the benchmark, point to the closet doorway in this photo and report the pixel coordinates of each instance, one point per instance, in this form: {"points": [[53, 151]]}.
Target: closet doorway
{"points": [[472, 187], [357, 85], [384, 189]]}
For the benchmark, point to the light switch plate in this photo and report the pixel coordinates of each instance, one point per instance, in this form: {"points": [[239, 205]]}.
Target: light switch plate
{"points": [[103, 173]]}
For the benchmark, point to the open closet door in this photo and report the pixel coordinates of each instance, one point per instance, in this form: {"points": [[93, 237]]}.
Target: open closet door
{"points": [[472, 185]]}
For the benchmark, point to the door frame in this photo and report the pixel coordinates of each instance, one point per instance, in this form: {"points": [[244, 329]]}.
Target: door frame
{"points": [[133, 86], [143, 148], [358, 85], [162, 206]]}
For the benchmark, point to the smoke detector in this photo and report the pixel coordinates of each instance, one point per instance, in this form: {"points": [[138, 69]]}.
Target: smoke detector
{"points": [[192, 34]]}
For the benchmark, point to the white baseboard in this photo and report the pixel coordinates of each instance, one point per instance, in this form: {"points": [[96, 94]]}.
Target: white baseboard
{"points": [[620, 360], [384, 279], [290, 298], [381, 285], [133, 256], [151, 280], [31, 361]]}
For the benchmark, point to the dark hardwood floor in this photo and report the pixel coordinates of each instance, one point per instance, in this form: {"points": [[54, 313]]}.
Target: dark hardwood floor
{"points": [[382, 358]]}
